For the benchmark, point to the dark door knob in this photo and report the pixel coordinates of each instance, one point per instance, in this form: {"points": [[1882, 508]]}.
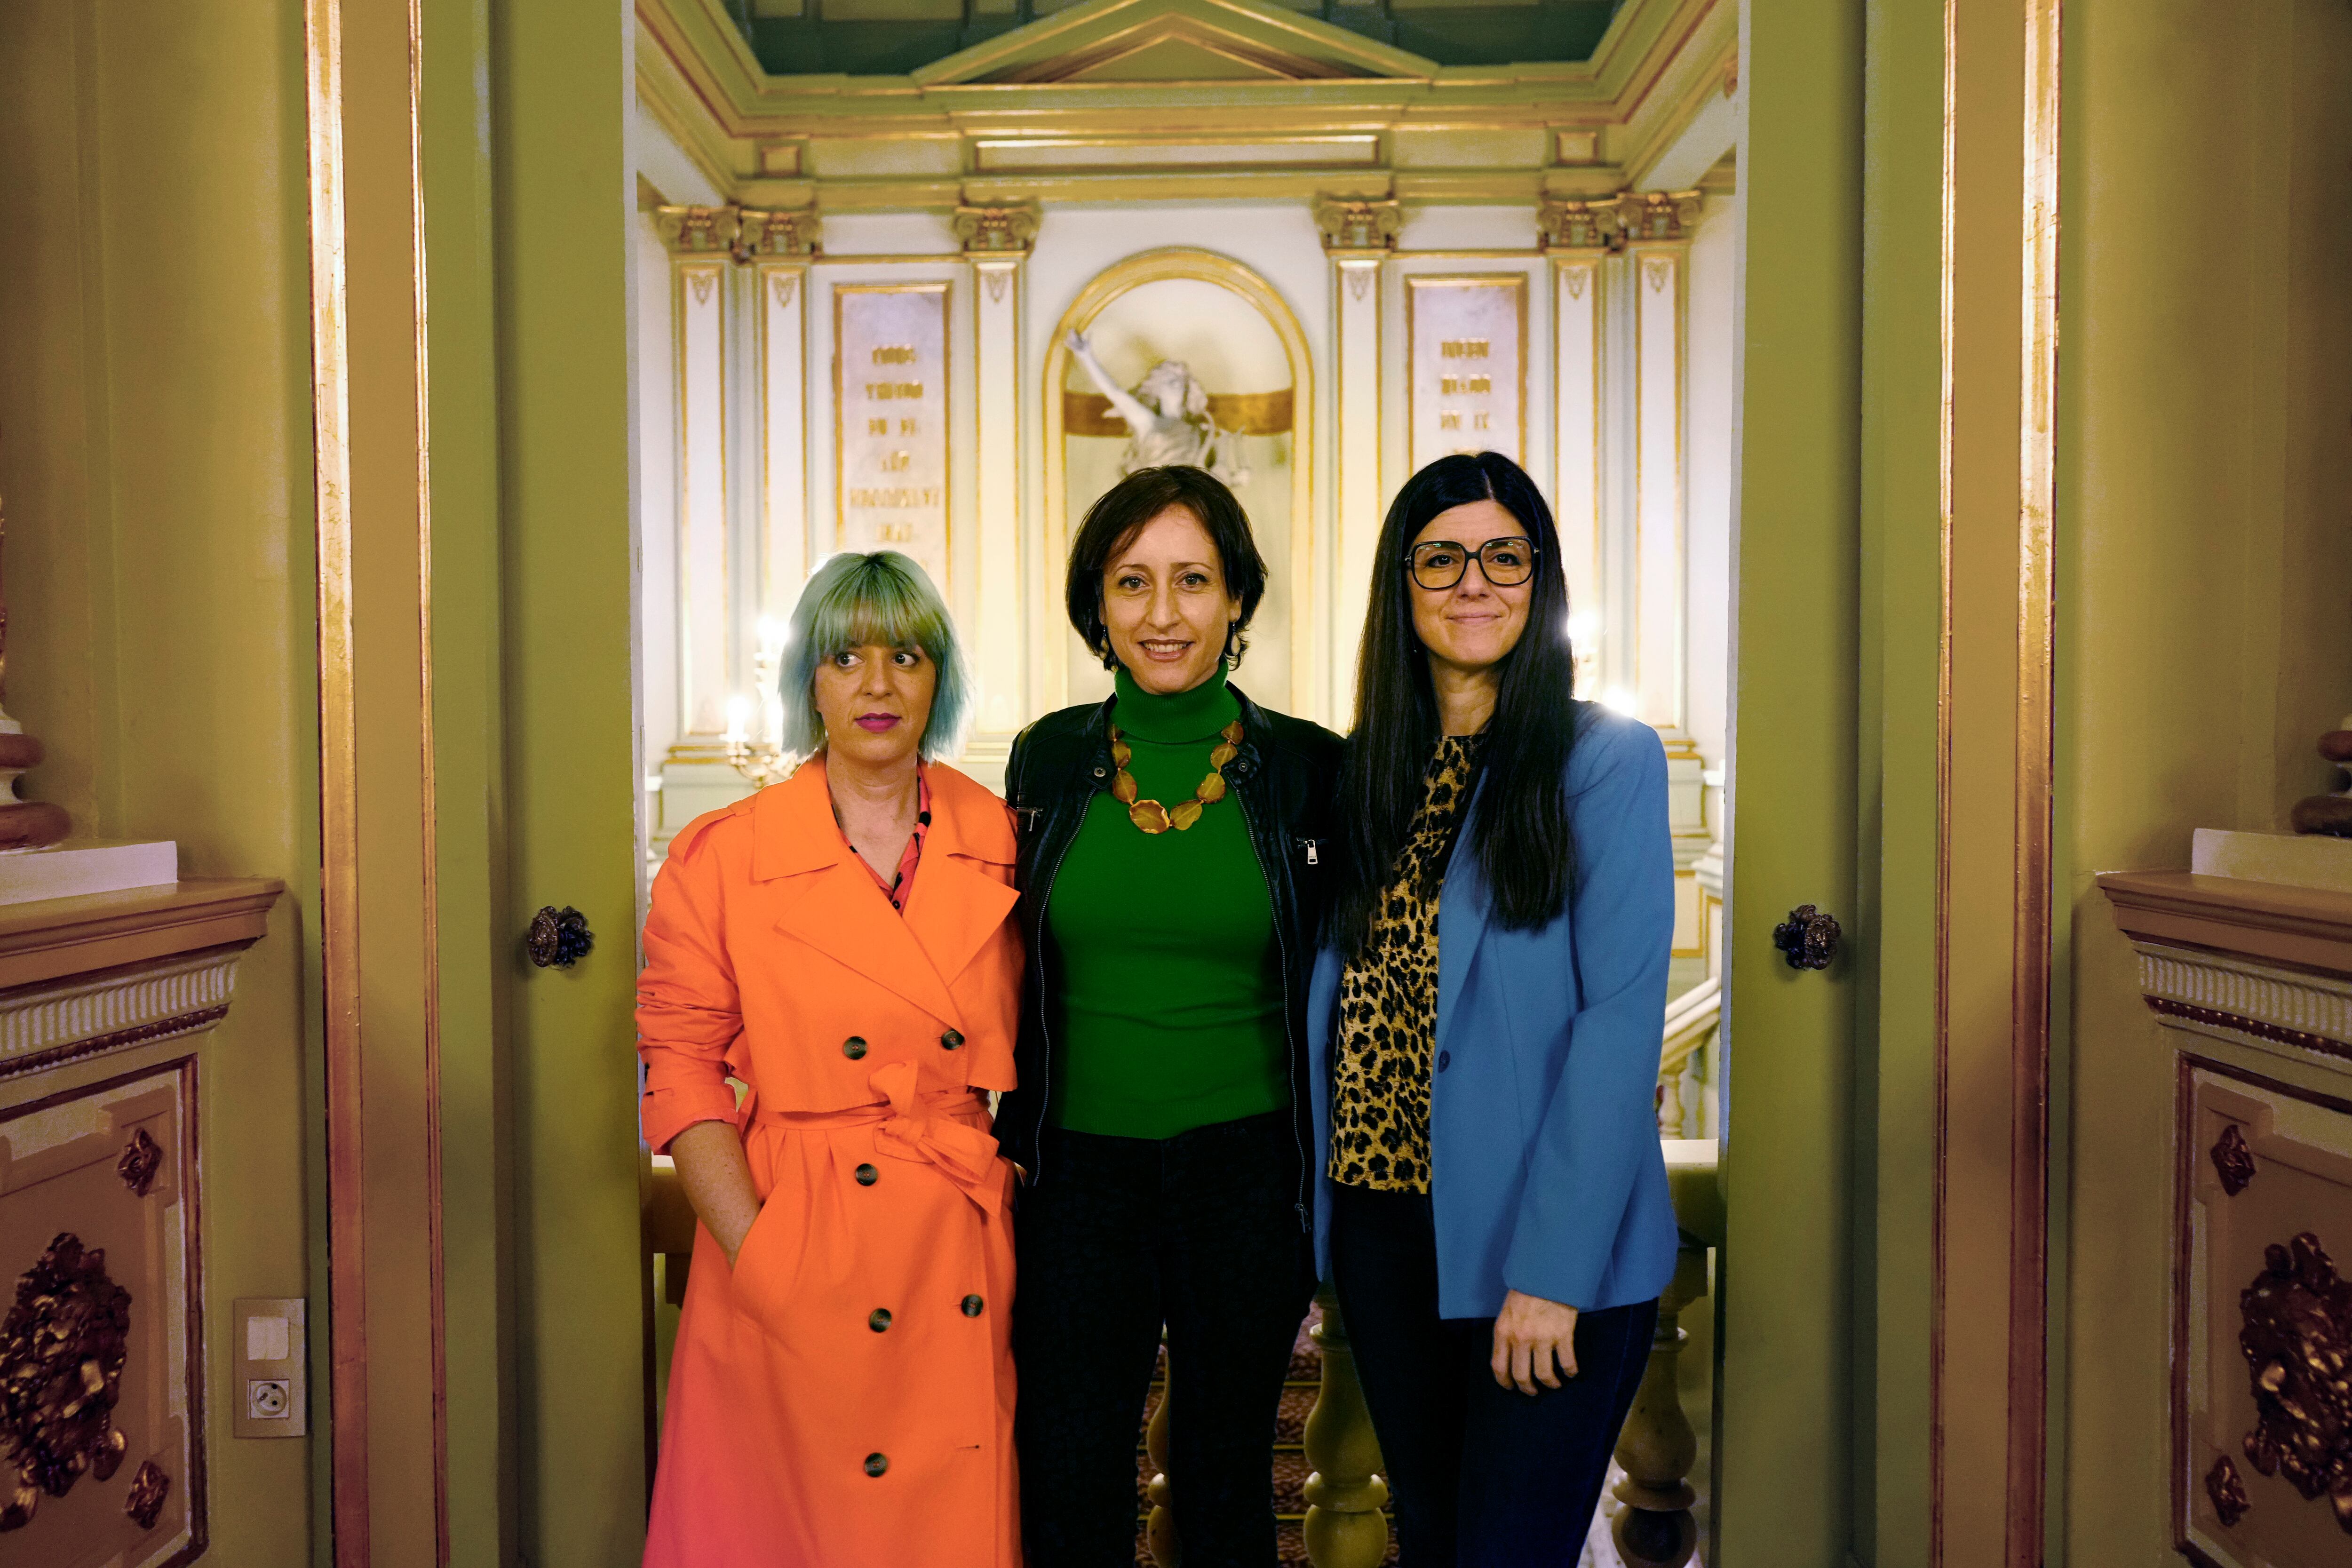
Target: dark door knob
{"points": [[558, 939], [1808, 938]]}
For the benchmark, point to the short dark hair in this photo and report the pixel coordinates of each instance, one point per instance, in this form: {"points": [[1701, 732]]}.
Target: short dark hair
{"points": [[1113, 521]]}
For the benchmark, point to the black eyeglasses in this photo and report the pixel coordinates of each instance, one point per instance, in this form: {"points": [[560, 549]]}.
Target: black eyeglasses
{"points": [[1439, 563]]}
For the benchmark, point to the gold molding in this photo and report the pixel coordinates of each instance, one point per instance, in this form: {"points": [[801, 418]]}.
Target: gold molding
{"points": [[1207, 267], [702, 72], [669, 94], [1576, 145], [1699, 70], [338, 783], [1245, 413], [1617, 83], [428, 804], [1273, 64], [1007, 230], [1351, 225], [1939, 1216], [2036, 763]]}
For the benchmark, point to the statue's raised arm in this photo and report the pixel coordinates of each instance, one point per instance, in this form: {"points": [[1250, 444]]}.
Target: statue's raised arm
{"points": [[1141, 422]]}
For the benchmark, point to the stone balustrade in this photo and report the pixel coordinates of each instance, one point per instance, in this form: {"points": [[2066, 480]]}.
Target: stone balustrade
{"points": [[1346, 1524]]}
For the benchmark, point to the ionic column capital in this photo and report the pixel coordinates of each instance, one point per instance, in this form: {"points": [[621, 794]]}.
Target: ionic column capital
{"points": [[1006, 231], [780, 232], [696, 231], [742, 233], [1349, 224], [1612, 223], [1660, 216]]}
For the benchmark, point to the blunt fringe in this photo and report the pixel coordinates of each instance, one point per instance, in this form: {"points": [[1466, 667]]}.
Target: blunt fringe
{"points": [[1114, 521], [1520, 830], [881, 599]]}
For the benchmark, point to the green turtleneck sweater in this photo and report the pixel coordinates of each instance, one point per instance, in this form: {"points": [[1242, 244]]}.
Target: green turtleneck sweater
{"points": [[1171, 1005]]}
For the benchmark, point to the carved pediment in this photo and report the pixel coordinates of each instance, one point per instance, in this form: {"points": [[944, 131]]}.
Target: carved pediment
{"points": [[1110, 41]]}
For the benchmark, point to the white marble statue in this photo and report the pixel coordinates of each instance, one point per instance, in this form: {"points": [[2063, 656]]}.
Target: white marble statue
{"points": [[1167, 419]]}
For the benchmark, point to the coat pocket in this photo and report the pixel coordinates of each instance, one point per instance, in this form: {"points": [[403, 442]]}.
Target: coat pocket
{"points": [[768, 1265]]}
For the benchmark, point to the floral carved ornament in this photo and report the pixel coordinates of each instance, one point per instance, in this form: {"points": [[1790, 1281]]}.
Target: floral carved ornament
{"points": [[2296, 1336], [61, 1351]]}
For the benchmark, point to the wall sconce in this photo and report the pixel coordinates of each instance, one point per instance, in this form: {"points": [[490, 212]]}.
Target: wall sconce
{"points": [[764, 760]]}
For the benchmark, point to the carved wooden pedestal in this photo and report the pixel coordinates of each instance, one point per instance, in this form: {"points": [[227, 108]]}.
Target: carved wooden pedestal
{"points": [[2254, 982], [102, 1352]]}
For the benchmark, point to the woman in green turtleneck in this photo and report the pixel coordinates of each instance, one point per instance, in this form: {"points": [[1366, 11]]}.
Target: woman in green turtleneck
{"points": [[1174, 851]]}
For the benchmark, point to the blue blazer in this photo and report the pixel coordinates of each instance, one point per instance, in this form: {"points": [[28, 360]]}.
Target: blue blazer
{"points": [[1545, 1173]]}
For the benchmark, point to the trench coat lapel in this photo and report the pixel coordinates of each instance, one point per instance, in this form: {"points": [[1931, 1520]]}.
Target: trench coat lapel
{"points": [[958, 904], [833, 904]]}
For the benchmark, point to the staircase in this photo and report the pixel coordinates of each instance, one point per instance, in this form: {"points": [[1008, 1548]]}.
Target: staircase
{"points": [[1289, 1460]]}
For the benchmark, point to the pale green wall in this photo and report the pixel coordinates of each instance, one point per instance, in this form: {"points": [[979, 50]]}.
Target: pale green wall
{"points": [[1895, 830], [155, 434], [1784, 1479], [2205, 522], [559, 96]]}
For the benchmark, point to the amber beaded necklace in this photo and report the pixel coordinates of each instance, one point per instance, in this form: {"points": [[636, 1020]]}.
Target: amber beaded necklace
{"points": [[1150, 815]]}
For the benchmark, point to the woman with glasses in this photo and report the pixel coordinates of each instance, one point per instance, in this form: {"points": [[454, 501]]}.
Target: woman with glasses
{"points": [[1484, 1034]]}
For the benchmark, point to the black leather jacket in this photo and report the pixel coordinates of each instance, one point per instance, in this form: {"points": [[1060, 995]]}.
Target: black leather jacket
{"points": [[1283, 781]]}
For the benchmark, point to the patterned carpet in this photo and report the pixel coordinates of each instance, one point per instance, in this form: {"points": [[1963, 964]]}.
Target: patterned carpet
{"points": [[1290, 1468]]}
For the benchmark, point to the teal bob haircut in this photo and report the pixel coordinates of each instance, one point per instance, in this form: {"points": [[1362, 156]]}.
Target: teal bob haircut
{"points": [[885, 600]]}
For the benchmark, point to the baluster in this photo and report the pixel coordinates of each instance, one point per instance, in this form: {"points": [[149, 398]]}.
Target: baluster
{"points": [[1159, 1529], [1658, 1446], [1670, 1108], [1345, 1527]]}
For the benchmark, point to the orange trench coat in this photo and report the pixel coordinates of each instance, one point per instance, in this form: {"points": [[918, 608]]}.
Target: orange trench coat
{"points": [[843, 1396]]}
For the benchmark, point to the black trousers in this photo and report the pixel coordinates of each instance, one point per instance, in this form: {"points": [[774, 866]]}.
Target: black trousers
{"points": [[1479, 1475], [1199, 1232]]}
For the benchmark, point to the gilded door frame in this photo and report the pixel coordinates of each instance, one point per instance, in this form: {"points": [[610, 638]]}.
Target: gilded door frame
{"points": [[477, 759]]}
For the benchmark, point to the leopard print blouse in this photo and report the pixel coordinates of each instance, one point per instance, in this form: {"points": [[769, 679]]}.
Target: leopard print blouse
{"points": [[1388, 1000]]}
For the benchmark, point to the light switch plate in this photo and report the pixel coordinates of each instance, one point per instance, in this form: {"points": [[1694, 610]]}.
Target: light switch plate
{"points": [[271, 1397]]}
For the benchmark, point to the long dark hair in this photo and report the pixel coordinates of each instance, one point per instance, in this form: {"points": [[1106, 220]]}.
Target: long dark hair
{"points": [[1521, 833]]}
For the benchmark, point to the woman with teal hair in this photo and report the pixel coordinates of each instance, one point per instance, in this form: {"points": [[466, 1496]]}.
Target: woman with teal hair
{"points": [[842, 944]]}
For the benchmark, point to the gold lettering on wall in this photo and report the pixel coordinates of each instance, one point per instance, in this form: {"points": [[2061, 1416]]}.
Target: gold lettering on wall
{"points": [[891, 433], [1480, 319]]}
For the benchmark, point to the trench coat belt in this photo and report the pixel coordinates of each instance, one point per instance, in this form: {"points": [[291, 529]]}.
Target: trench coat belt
{"points": [[917, 1126]]}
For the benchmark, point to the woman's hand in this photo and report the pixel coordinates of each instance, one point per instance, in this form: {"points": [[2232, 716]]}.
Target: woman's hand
{"points": [[718, 1182], [1530, 1333]]}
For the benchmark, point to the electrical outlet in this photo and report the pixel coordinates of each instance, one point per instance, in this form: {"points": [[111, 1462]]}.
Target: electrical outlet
{"points": [[271, 1342]]}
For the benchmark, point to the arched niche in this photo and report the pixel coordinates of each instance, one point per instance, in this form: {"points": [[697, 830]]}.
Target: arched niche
{"points": [[1241, 339]]}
